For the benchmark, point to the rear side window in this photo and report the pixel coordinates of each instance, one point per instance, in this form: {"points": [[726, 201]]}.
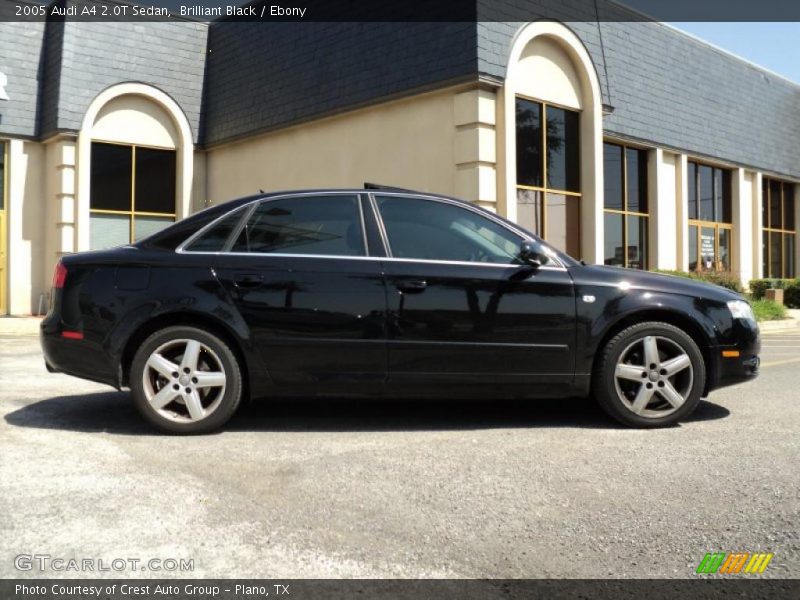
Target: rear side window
{"points": [[430, 230], [215, 238], [327, 225]]}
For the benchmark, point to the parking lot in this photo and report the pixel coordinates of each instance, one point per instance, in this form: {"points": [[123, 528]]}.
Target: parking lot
{"points": [[399, 488]]}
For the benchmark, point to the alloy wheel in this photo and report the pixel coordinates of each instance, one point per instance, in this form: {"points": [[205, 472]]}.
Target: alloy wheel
{"points": [[653, 376], [184, 380]]}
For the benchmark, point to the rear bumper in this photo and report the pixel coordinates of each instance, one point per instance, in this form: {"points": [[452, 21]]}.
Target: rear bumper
{"points": [[82, 358], [742, 363]]}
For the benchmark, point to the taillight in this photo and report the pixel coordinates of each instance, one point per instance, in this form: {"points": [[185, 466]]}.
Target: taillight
{"points": [[59, 276]]}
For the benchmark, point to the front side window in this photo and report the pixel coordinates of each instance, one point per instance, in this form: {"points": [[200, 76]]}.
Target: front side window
{"points": [[710, 218], [625, 206], [548, 172], [132, 191], [429, 230], [315, 225], [779, 231]]}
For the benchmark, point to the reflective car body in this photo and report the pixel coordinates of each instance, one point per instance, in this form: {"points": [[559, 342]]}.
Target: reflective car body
{"points": [[376, 323]]}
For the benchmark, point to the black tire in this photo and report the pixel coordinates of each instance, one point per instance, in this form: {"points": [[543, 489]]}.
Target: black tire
{"points": [[604, 384], [222, 402]]}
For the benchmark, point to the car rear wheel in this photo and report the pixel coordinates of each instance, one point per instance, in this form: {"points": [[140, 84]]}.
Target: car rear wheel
{"points": [[650, 375], [185, 380]]}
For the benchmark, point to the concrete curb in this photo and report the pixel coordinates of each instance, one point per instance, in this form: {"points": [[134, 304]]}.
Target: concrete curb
{"points": [[783, 325], [20, 325]]}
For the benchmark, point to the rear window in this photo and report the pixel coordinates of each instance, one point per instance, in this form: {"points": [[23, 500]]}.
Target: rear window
{"points": [[173, 236]]}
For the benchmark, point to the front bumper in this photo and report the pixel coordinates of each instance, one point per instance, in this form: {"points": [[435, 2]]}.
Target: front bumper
{"points": [[738, 362]]}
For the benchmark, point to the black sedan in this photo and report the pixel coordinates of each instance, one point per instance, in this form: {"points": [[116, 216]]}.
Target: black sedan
{"points": [[383, 293]]}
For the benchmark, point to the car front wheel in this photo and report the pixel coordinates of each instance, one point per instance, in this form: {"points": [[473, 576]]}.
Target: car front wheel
{"points": [[185, 380], [650, 375]]}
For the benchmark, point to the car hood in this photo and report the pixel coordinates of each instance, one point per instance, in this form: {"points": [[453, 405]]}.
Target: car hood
{"points": [[657, 282]]}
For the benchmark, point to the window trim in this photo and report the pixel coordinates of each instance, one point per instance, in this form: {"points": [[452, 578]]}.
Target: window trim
{"points": [[769, 230], [544, 189], [132, 213], [624, 212]]}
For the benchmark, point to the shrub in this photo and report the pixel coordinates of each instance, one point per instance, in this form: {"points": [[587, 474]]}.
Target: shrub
{"points": [[790, 287], [723, 278], [767, 310]]}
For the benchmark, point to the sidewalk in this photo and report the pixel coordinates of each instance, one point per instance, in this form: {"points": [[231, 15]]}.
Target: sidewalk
{"points": [[790, 324], [20, 325]]}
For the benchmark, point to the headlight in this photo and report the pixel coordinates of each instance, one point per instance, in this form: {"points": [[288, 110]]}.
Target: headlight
{"points": [[741, 310]]}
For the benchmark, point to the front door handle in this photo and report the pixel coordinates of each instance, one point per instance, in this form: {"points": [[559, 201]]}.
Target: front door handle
{"points": [[412, 286], [248, 280]]}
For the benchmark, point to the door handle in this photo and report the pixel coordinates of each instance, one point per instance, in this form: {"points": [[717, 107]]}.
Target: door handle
{"points": [[412, 286], [248, 280]]}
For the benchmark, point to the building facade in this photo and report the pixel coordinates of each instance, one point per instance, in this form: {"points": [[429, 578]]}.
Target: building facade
{"points": [[624, 143]]}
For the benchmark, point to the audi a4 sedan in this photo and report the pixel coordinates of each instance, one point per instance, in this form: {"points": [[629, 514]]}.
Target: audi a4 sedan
{"points": [[381, 292]]}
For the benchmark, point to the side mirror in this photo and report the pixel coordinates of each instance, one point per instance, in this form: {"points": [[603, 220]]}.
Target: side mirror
{"points": [[532, 253]]}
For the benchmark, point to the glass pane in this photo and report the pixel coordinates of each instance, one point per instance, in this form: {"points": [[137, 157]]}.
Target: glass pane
{"points": [[2, 175], [637, 179], [563, 162], [706, 191], [110, 187], [215, 238], [724, 261], [775, 221], [765, 204], [562, 215], [327, 225], [722, 195], [108, 231], [431, 230], [146, 226], [155, 180], [788, 255], [529, 143], [612, 176], [529, 210], [765, 253], [693, 264], [614, 246], [788, 206], [707, 249], [692, 185], [637, 242], [776, 254]]}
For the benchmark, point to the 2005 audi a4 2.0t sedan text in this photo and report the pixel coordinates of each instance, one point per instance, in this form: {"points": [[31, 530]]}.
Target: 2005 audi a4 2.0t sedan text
{"points": [[382, 292]]}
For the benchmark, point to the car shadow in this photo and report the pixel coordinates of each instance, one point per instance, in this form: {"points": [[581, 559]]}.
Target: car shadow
{"points": [[113, 412]]}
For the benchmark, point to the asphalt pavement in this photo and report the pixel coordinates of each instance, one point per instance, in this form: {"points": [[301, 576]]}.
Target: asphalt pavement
{"points": [[315, 488]]}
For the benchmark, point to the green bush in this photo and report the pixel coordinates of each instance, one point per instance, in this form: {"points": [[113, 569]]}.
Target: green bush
{"points": [[725, 279], [790, 287], [767, 310]]}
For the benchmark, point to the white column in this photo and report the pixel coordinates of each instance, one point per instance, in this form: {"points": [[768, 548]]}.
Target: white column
{"points": [[758, 224], [682, 210], [742, 200], [475, 147], [796, 227], [661, 173]]}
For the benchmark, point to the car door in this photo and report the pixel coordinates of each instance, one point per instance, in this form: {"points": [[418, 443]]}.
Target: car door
{"points": [[463, 309], [299, 271]]}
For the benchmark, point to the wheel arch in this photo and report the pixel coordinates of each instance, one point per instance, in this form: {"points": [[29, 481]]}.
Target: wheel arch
{"points": [[188, 319], [672, 317]]}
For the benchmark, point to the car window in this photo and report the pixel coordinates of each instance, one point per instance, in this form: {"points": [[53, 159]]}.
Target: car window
{"points": [[214, 239], [426, 229], [329, 225]]}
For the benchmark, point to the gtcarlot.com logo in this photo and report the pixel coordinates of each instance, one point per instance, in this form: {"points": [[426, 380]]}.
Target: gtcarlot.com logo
{"points": [[734, 562], [47, 562]]}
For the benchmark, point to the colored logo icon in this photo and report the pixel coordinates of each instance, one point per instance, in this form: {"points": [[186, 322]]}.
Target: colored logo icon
{"points": [[734, 562]]}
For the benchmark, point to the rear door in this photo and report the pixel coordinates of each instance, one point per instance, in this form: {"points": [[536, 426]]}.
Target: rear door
{"points": [[462, 307], [299, 272]]}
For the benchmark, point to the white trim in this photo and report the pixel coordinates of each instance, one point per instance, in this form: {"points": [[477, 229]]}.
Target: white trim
{"points": [[185, 149], [591, 131]]}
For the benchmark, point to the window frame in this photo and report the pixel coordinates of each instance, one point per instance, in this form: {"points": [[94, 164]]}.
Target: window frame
{"points": [[624, 212], [766, 205], [133, 213], [716, 225], [544, 189]]}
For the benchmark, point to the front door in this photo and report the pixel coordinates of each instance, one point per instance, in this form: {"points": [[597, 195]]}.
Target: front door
{"points": [[314, 301], [462, 309]]}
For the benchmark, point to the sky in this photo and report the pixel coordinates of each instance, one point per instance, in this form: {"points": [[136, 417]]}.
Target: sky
{"points": [[775, 46]]}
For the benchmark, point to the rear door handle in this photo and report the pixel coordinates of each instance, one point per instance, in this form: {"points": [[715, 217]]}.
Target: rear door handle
{"points": [[248, 280], [412, 286]]}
